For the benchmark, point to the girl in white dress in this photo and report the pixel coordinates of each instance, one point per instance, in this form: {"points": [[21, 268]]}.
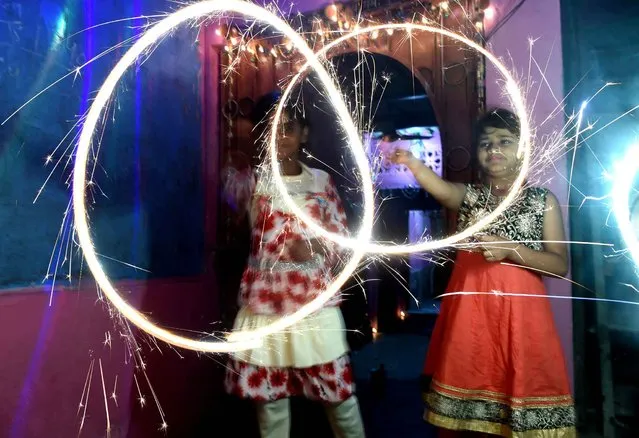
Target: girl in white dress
{"points": [[287, 268]]}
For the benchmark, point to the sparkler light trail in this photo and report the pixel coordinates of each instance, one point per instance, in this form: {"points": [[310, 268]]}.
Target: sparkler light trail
{"points": [[627, 171], [524, 149], [240, 340], [361, 244]]}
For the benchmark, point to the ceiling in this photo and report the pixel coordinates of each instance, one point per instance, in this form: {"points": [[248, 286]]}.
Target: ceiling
{"points": [[399, 99]]}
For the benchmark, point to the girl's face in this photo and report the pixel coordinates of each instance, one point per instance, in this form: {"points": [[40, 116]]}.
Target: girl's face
{"points": [[497, 153], [290, 136]]}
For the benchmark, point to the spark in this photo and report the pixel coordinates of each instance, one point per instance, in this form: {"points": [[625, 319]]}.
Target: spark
{"points": [[141, 398], [114, 396], [633, 287], [498, 293], [628, 167], [574, 150], [106, 403], [107, 339], [630, 111], [107, 23], [75, 73], [554, 146], [251, 340], [164, 425], [360, 244], [84, 398]]}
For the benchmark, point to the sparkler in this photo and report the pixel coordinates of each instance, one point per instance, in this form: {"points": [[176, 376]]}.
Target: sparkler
{"points": [[241, 340], [361, 244], [357, 244], [624, 181]]}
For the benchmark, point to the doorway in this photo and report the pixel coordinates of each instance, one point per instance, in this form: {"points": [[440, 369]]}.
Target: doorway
{"points": [[393, 110]]}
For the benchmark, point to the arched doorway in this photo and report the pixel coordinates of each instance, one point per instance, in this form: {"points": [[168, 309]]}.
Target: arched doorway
{"points": [[431, 67], [436, 72], [393, 109]]}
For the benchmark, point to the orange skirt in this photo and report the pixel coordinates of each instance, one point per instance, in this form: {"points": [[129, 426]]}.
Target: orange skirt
{"points": [[495, 363]]}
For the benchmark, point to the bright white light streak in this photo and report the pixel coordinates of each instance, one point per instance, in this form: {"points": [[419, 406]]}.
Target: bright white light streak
{"points": [[497, 293], [84, 398], [580, 117], [106, 403], [241, 340], [357, 244], [626, 172]]}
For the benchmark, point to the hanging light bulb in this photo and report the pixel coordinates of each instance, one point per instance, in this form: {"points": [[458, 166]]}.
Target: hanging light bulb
{"points": [[390, 31], [444, 6], [331, 12], [374, 34], [288, 45], [489, 13], [274, 52]]}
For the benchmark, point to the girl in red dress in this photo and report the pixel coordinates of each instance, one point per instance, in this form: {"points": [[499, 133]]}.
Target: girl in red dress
{"points": [[495, 365], [288, 267]]}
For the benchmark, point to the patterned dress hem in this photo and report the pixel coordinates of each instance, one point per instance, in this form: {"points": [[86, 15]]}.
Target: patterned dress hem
{"points": [[495, 429], [331, 382], [495, 413]]}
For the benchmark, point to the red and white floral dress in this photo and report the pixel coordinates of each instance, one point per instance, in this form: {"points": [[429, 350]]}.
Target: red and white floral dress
{"points": [[310, 358]]}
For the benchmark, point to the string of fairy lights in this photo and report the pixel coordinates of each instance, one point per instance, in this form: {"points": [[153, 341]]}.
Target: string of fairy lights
{"points": [[336, 20], [321, 27]]}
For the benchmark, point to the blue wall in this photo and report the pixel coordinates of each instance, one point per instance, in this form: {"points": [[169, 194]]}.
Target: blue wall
{"points": [[148, 210]]}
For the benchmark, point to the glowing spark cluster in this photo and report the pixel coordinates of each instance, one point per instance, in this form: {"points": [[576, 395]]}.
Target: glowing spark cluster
{"points": [[371, 247], [360, 245], [244, 340], [624, 180]]}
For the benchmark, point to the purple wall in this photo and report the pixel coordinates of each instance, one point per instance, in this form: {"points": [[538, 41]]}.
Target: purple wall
{"points": [[539, 20]]}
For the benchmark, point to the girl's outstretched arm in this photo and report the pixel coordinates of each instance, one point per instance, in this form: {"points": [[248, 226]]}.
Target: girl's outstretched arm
{"points": [[450, 195]]}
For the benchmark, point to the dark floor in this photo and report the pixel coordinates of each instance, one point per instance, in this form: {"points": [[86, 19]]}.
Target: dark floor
{"points": [[398, 411], [395, 411]]}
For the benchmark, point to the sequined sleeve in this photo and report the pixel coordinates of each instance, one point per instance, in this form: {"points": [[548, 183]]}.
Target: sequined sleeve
{"points": [[521, 222], [470, 204]]}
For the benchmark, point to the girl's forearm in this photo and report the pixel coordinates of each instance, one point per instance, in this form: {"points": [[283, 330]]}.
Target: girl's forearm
{"points": [[542, 261], [448, 194]]}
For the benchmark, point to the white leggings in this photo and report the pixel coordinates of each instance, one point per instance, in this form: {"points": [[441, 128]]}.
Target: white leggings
{"points": [[345, 418]]}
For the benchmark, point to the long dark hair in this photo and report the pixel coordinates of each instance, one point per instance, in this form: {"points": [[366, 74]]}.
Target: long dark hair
{"points": [[498, 118]]}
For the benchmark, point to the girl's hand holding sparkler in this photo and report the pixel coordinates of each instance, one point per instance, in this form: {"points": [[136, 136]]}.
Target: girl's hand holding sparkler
{"points": [[496, 248], [449, 194], [403, 157]]}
